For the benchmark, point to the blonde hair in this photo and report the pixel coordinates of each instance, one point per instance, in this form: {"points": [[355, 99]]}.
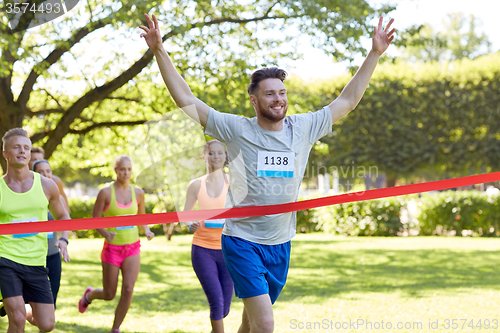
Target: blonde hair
{"points": [[121, 158], [11, 133], [206, 149]]}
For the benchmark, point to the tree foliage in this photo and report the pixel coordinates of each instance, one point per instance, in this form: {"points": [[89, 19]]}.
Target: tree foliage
{"points": [[459, 39], [78, 76]]}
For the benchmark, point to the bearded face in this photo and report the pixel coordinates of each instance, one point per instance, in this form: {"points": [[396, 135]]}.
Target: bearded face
{"points": [[270, 101]]}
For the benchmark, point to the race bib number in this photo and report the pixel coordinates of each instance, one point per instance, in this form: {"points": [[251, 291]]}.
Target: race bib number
{"points": [[29, 219], [275, 164], [215, 223]]}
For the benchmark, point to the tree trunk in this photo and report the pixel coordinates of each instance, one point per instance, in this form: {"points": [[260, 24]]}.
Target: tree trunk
{"points": [[391, 181], [170, 232]]}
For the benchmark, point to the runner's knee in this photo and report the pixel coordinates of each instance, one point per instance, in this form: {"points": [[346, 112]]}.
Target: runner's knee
{"points": [[128, 289], [17, 318], [262, 325], [109, 294], [46, 327]]}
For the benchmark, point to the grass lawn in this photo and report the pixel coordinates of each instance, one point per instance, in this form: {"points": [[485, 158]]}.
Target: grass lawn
{"points": [[332, 280]]}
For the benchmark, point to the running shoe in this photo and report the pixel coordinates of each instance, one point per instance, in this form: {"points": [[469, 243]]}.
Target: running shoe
{"points": [[83, 304]]}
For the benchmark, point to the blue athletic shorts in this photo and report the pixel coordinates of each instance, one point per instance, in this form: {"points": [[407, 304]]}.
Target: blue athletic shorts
{"points": [[256, 269]]}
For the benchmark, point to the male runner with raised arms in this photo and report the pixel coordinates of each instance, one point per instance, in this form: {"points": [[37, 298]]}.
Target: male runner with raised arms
{"points": [[25, 196], [272, 152]]}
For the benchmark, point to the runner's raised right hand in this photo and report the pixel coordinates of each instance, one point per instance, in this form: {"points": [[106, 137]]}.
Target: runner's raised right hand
{"points": [[153, 34]]}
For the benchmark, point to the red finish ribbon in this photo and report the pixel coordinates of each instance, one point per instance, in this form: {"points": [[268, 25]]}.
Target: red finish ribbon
{"points": [[197, 215]]}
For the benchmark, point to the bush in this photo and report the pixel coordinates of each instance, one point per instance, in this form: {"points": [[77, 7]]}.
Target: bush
{"points": [[306, 222], [451, 212], [81, 208], [365, 218]]}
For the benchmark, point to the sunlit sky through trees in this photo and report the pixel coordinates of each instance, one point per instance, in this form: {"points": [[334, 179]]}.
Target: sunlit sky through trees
{"points": [[409, 12]]}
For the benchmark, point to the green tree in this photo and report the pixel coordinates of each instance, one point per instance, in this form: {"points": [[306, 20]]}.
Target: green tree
{"points": [[77, 75], [459, 39]]}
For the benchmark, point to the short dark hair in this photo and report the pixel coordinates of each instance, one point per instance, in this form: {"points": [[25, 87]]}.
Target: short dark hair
{"points": [[11, 133], [265, 73], [38, 150], [39, 162]]}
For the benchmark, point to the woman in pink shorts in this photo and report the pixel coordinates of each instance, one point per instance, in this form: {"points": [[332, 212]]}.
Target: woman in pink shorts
{"points": [[121, 246]]}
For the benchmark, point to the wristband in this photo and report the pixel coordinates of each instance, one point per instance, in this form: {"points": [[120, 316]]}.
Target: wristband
{"points": [[64, 239]]}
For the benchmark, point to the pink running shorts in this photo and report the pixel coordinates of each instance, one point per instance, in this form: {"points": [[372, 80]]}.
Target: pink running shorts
{"points": [[115, 254]]}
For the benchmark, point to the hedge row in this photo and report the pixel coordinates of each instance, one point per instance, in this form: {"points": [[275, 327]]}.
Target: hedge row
{"points": [[456, 212], [365, 218], [445, 213]]}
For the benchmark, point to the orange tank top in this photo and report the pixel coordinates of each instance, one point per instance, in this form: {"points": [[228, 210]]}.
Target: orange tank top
{"points": [[209, 234]]}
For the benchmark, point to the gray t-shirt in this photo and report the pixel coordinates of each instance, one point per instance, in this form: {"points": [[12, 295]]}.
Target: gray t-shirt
{"points": [[266, 168]]}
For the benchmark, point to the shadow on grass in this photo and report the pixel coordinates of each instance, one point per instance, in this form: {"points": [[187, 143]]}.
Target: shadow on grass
{"points": [[174, 300], [334, 271], [156, 265], [168, 275], [317, 269], [75, 328]]}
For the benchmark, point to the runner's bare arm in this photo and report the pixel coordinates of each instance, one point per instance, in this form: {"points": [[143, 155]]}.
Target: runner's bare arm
{"points": [[355, 89], [56, 206], [64, 237], [60, 186], [57, 209], [191, 198], [103, 197], [139, 194], [176, 85], [192, 194]]}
